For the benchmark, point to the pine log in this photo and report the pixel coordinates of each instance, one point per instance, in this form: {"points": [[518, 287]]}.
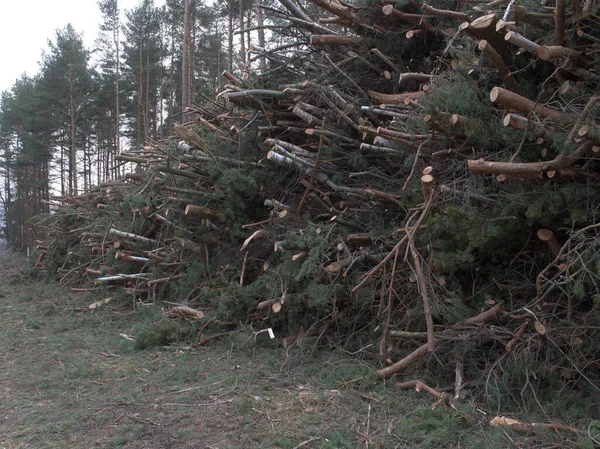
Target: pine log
{"points": [[201, 211], [419, 77], [461, 120], [333, 39], [498, 62], [446, 13], [519, 122], [232, 78], [307, 117], [190, 136], [503, 27], [521, 41], [255, 93], [551, 52], [389, 10], [124, 256], [385, 59], [381, 131], [484, 27], [128, 235], [589, 37], [570, 90], [427, 185], [381, 149], [547, 236], [515, 102], [529, 168], [394, 98], [184, 312], [412, 33], [122, 278], [294, 149]]}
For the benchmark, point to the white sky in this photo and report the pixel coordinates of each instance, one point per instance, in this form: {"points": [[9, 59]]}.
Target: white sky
{"points": [[26, 26]]}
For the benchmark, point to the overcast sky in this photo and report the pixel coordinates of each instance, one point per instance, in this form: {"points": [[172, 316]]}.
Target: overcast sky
{"points": [[26, 26]]}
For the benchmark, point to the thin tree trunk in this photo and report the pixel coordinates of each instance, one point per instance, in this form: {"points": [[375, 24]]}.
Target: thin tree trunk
{"points": [[171, 82], [147, 97], [230, 37], [73, 134], [116, 38], [249, 38], [185, 62], [140, 93], [260, 21], [242, 36]]}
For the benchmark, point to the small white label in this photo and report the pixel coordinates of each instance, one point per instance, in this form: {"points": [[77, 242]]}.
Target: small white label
{"points": [[271, 334]]}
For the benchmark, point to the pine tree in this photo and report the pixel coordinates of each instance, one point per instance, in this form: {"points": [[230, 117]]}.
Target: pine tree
{"points": [[109, 43], [142, 70], [66, 85]]}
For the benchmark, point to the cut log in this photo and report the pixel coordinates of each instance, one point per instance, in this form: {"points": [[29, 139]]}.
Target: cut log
{"points": [[184, 312], [446, 13], [389, 10], [521, 41], [130, 236], [551, 52], [547, 236], [419, 77], [124, 256], [202, 212], [428, 186], [493, 55], [394, 98], [529, 168], [519, 122], [122, 278], [517, 103]]}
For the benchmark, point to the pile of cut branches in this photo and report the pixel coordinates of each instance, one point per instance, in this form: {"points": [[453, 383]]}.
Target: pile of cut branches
{"points": [[424, 183]]}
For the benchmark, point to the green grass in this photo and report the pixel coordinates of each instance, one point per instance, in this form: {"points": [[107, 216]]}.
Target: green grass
{"points": [[67, 380]]}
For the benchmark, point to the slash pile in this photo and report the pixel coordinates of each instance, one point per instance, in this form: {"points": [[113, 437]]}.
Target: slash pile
{"points": [[421, 180]]}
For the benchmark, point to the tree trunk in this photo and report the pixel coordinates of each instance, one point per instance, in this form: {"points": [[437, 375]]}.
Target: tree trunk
{"points": [[185, 62], [242, 37], [72, 136], [230, 37], [116, 39], [261, 34]]}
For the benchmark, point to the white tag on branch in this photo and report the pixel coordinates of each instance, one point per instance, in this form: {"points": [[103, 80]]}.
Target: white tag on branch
{"points": [[271, 334]]}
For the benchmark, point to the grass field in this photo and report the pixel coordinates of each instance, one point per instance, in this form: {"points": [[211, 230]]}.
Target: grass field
{"points": [[68, 380]]}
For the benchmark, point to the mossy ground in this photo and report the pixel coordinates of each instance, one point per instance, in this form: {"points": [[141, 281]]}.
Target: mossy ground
{"points": [[67, 380]]}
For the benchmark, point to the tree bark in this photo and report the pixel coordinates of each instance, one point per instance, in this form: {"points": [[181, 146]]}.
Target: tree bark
{"points": [[517, 103], [185, 62]]}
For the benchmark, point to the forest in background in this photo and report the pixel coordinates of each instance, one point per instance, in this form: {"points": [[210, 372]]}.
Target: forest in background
{"points": [[416, 184], [60, 129]]}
